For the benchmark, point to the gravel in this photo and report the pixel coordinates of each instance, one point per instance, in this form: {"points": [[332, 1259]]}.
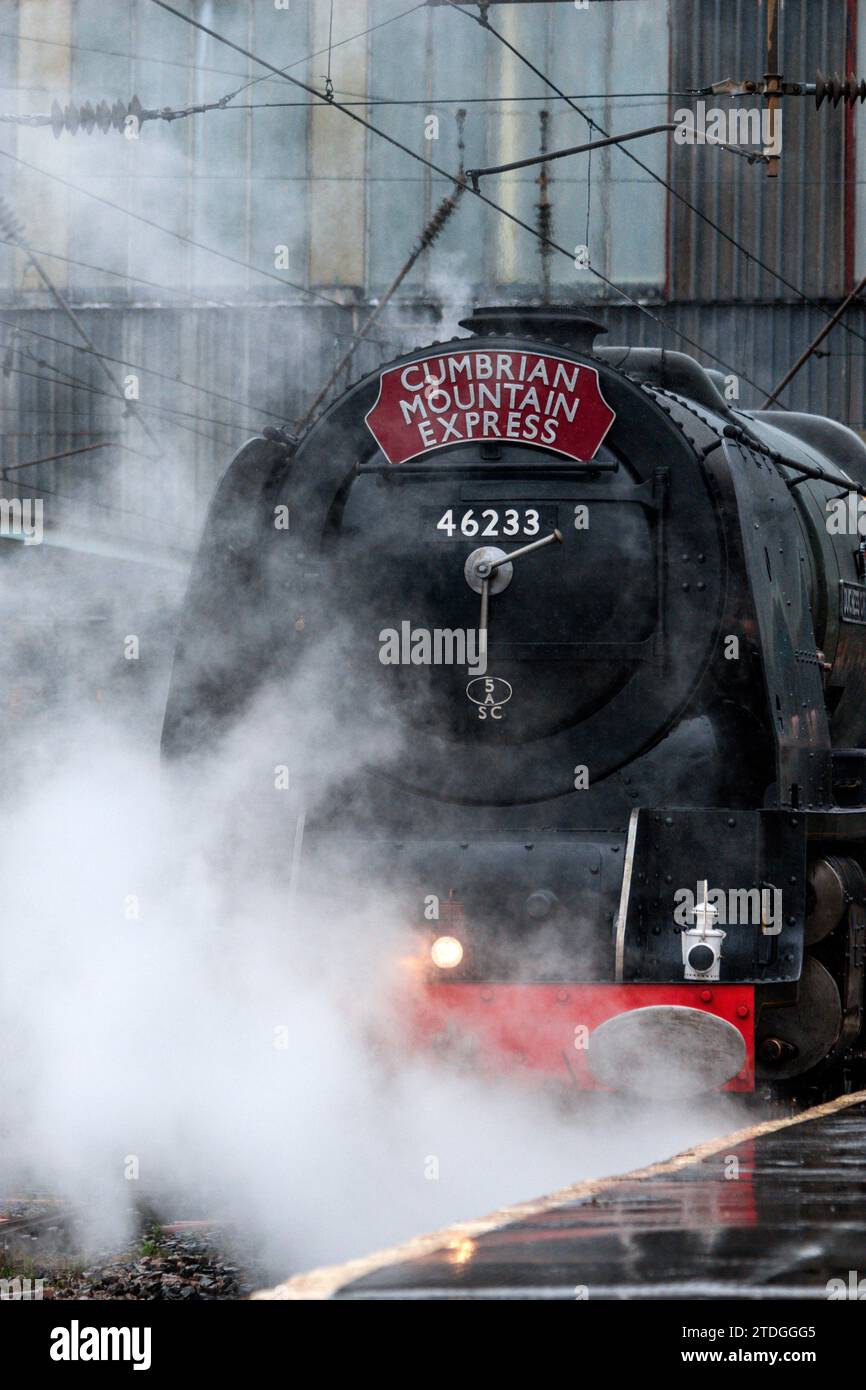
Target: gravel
{"points": [[183, 1261]]}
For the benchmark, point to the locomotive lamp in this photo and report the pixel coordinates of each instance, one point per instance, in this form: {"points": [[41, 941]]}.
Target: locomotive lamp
{"points": [[446, 952], [702, 942]]}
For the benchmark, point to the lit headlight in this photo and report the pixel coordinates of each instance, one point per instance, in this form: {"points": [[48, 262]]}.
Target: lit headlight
{"points": [[446, 952]]}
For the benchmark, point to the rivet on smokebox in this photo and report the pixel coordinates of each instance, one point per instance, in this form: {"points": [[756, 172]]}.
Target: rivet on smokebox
{"points": [[707, 996], [742, 1011], [300, 624]]}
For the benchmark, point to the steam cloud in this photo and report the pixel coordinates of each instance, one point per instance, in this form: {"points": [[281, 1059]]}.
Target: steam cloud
{"points": [[169, 1007], [166, 1000]]}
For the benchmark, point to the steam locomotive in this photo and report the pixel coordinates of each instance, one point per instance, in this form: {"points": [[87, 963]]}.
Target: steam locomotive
{"points": [[616, 629]]}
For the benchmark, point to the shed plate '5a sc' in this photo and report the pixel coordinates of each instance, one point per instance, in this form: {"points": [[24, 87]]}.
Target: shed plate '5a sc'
{"points": [[516, 397]]}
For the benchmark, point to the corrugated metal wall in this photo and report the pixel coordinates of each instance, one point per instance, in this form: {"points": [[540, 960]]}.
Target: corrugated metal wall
{"points": [[793, 223]]}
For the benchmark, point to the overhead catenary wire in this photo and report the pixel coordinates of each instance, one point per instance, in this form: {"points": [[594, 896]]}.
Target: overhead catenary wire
{"points": [[167, 410], [90, 502], [62, 377], [433, 101], [139, 367], [71, 381], [195, 67], [118, 53], [142, 405], [362, 34], [188, 241], [210, 300], [75, 415], [819, 338], [228, 103], [112, 440], [56, 119], [406, 149], [106, 117], [122, 275], [188, 429], [273, 413], [53, 458], [485, 24], [65, 379], [15, 232]]}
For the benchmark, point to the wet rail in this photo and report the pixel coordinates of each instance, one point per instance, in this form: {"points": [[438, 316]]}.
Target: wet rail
{"points": [[776, 1210]]}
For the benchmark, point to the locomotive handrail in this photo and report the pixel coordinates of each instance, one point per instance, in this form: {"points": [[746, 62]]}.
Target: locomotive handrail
{"points": [[576, 468], [808, 470]]}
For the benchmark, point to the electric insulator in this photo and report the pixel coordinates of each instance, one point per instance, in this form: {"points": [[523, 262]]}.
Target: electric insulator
{"points": [[834, 90], [73, 118]]}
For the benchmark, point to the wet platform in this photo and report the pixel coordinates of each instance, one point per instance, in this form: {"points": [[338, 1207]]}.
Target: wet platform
{"points": [[775, 1212]]}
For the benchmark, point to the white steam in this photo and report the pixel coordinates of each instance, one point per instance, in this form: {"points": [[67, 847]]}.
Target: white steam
{"points": [[176, 1026], [169, 1013]]}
